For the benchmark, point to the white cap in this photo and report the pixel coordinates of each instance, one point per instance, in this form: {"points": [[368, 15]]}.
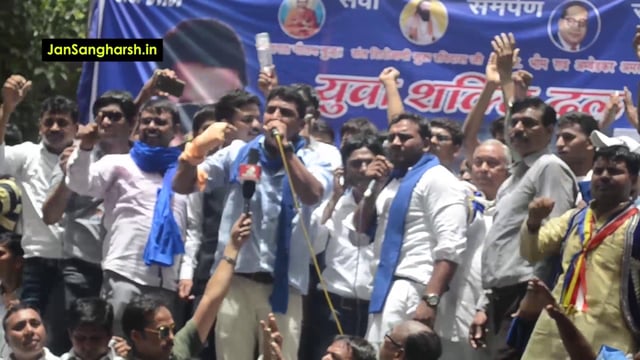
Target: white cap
{"points": [[599, 140]]}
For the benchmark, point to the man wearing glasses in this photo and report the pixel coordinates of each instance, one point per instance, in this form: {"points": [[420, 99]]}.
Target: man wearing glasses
{"points": [[572, 26]]}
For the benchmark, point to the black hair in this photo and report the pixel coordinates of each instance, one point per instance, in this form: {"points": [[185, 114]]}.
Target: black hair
{"points": [[358, 142], [139, 312], [289, 94], [12, 242], [60, 105], [423, 123], [361, 349], [586, 122], [358, 125], [203, 115], [620, 153], [160, 105], [14, 309], [549, 117], [228, 105], [452, 127], [90, 311], [423, 345], [310, 96], [320, 126], [120, 98], [566, 7], [205, 41], [496, 127]]}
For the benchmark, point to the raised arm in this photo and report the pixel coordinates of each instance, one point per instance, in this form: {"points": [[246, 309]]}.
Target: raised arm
{"points": [[389, 79], [473, 122], [220, 281], [195, 153], [83, 176], [537, 241], [14, 90]]}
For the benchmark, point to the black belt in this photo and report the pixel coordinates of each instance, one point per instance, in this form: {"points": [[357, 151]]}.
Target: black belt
{"points": [[346, 303], [509, 291], [259, 277]]}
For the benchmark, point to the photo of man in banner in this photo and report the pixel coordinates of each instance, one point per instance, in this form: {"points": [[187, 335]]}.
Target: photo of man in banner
{"points": [[423, 22], [301, 19], [577, 25]]}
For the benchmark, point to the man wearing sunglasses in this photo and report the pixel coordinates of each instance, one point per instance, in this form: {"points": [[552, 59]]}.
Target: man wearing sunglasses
{"points": [[81, 216], [149, 325], [145, 249]]}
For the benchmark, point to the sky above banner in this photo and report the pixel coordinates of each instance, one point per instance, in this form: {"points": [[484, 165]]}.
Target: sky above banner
{"points": [[579, 52]]}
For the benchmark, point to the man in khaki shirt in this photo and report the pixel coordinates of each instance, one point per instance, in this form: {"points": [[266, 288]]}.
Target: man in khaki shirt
{"points": [[589, 289]]}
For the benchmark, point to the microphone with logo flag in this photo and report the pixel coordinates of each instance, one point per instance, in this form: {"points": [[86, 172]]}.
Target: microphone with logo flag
{"points": [[249, 175]]}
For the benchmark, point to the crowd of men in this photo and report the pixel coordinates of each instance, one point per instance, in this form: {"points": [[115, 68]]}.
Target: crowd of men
{"points": [[119, 240]]}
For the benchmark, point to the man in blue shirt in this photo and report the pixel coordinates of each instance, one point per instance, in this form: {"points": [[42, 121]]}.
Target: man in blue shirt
{"points": [[272, 271]]}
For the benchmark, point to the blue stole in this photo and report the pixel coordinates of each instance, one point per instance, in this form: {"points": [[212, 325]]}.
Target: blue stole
{"points": [[165, 237], [585, 190], [394, 232], [279, 298]]}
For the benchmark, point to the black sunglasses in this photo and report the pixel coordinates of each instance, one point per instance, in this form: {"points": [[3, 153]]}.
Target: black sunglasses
{"points": [[164, 331]]}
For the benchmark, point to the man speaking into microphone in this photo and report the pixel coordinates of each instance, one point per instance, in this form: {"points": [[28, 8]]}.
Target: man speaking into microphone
{"points": [[272, 270]]}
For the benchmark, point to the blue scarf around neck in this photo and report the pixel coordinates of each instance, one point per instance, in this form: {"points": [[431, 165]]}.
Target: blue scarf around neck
{"points": [[394, 232], [165, 236], [279, 298]]}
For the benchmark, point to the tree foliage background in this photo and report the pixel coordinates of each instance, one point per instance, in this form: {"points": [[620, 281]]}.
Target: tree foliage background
{"points": [[23, 24]]}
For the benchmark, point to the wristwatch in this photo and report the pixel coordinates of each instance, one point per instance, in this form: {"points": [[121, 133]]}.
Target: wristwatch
{"points": [[288, 147], [431, 299]]}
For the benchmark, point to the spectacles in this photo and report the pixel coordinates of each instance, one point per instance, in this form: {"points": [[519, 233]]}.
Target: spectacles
{"points": [[284, 112], [575, 22], [395, 343], [156, 120], [112, 115], [164, 331], [60, 121]]}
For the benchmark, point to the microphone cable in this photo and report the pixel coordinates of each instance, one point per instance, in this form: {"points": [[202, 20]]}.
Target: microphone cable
{"points": [[305, 233]]}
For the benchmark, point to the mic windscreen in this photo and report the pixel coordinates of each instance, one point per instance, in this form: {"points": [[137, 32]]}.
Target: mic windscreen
{"points": [[254, 156], [248, 189], [275, 132]]}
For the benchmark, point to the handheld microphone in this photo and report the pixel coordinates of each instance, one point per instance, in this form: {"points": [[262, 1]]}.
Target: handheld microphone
{"points": [[249, 174], [275, 133], [372, 182]]}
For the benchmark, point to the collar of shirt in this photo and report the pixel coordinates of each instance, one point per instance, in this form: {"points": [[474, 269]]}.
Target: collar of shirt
{"points": [[530, 159], [567, 46], [71, 355], [46, 355]]}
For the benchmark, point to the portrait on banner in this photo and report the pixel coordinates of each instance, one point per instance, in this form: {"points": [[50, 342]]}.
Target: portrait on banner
{"points": [[424, 22], [301, 19], [574, 25]]}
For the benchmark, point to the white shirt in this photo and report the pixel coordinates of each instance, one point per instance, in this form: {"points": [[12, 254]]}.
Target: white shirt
{"points": [[435, 224], [46, 356], [129, 201], [348, 254], [111, 355], [466, 286], [32, 166], [327, 152]]}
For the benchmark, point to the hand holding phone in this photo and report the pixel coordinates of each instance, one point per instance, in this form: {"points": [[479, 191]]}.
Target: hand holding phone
{"points": [[169, 85]]}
